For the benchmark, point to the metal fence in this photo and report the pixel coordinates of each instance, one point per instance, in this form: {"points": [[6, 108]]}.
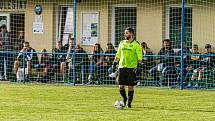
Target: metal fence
{"points": [[79, 25]]}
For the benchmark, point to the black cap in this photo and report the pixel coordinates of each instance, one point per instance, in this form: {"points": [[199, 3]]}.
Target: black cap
{"points": [[207, 46]]}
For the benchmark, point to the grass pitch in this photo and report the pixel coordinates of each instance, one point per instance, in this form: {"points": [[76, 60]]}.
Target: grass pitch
{"points": [[66, 103]]}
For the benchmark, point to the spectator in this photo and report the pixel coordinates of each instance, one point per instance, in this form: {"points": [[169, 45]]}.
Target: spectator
{"points": [[195, 61], [18, 44], [81, 65], [34, 60], [68, 62], [166, 62], [109, 50], [147, 62], [44, 66], [186, 66], [96, 60], [109, 57], [23, 62], [206, 66], [58, 58], [5, 57]]}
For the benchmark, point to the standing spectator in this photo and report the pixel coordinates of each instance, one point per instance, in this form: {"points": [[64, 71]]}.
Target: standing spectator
{"points": [[18, 44], [23, 63], [33, 60], [5, 55]]}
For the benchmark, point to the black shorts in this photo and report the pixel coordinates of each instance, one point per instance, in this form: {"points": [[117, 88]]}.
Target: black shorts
{"points": [[126, 76]]}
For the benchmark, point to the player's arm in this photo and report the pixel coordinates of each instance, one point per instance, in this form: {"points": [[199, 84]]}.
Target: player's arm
{"points": [[139, 60], [117, 57], [139, 53]]}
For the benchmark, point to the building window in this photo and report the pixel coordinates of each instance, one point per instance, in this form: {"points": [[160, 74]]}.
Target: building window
{"points": [[65, 24], [124, 16], [175, 26]]}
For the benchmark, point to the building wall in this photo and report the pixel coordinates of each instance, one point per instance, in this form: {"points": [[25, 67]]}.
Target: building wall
{"points": [[151, 21], [204, 24], [40, 41], [149, 25]]}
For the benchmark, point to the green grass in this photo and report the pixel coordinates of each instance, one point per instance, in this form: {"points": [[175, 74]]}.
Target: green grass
{"points": [[67, 103]]}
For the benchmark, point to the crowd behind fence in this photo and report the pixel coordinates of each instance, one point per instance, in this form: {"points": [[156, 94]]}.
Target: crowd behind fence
{"points": [[73, 65]]}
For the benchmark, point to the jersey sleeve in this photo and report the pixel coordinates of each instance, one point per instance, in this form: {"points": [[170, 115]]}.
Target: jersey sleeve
{"points": [[139, 52], [118, 54]]}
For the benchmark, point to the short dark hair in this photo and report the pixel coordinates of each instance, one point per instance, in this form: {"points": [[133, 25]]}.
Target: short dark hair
{"points": [[166, 40], [131, 30], [60, 42], [26, 42], [4, 26], [207, 46], [195, 46]]}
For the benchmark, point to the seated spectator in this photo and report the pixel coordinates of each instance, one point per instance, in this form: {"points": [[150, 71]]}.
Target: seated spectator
{"points": [[109, 58], [166, 62], [65, 65], [207, 64], [57, 58], [96, 60], [26, 59], [186, 61], [147, 62], [44, 67], [195, 62], [81, 65]]}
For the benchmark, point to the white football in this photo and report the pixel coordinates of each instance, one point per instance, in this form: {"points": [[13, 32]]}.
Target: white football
{"points": [[119, 105]]}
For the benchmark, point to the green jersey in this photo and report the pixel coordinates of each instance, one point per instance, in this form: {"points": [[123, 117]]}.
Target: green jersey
{"points": [[129, 54]]}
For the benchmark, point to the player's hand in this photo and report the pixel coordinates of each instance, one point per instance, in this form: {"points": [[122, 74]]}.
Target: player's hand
{"points": [[138, 70]]}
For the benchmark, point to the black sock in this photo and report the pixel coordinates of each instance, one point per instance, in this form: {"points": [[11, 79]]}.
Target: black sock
{"points": [[123, 94], [130, 97]]}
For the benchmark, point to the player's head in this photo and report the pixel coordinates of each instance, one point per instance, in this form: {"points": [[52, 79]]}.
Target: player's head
{"points": [[129, 33]]}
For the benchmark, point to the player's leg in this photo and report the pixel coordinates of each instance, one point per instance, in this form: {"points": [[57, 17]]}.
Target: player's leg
{"points": [[123, 93], [130, 95]]}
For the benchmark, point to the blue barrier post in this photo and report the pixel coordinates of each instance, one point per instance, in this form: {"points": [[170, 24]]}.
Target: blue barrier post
{"points": [[182, 46], [74, 52]]}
